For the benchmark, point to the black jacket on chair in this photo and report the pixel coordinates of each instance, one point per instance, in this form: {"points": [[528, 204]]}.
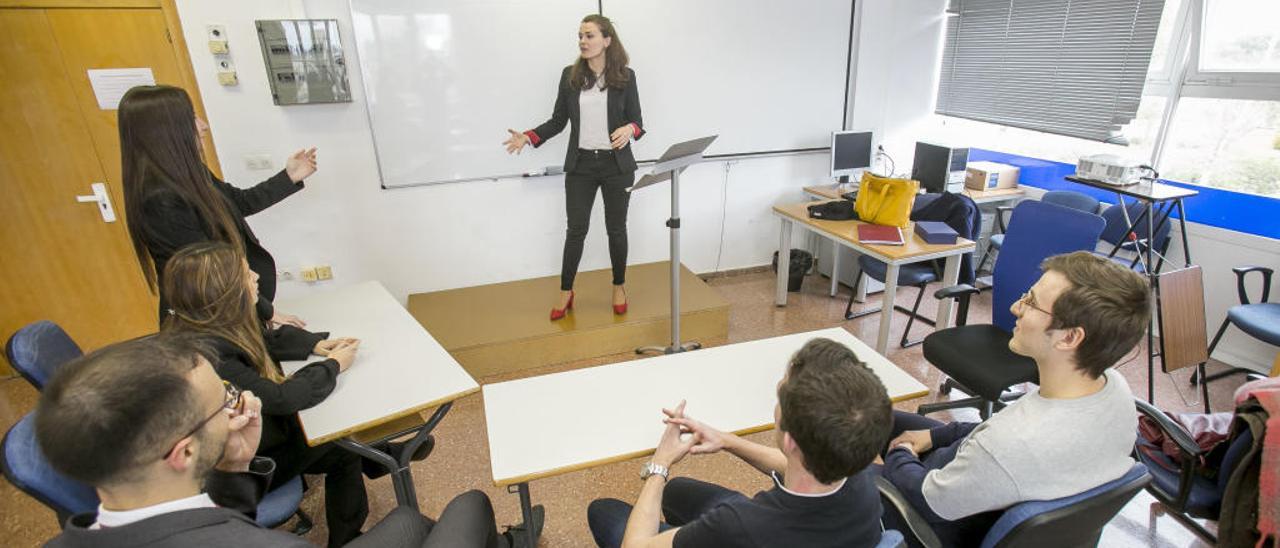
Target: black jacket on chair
{"points": [[961, 214], [169, 223], [623, 109]]}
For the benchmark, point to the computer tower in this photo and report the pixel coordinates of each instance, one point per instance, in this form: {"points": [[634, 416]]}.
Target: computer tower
{"points": [[940, 167]]}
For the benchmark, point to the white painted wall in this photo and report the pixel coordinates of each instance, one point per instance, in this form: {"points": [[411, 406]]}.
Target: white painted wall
{"points": [[452, 235]]}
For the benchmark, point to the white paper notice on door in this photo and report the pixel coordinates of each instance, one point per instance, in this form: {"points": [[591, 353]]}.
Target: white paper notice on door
{"points": [[109, 85]]}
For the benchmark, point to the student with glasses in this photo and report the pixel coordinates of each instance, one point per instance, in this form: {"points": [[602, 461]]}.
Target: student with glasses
{"points": [[169, 448], [1075, 432]]}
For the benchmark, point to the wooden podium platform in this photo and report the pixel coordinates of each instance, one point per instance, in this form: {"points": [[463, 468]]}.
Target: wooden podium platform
{"points": [[501, 328]]}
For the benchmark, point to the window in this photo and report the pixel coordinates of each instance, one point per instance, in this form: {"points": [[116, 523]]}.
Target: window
{"points": [[1210, 110]]}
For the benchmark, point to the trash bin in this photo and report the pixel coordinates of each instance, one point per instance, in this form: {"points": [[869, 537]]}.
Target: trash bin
{"points": [[801, 262]]}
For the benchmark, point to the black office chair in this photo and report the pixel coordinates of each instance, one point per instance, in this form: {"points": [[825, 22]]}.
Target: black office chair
{"points": [[962, 215], [1071, 521], [1066, 198], [1260, 320], [976, 358]]}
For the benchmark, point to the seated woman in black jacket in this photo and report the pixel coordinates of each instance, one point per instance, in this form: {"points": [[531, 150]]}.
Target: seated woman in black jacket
{"points": [[212, 291]]}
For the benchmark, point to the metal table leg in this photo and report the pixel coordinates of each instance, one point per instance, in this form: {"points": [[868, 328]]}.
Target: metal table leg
{"points": [[398, 465]]}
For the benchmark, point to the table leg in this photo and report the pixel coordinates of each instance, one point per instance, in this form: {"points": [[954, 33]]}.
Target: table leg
{"points": [[835, 268], [526, 511], [886, 307], [401, 477], [950, 277], [784, 261]]}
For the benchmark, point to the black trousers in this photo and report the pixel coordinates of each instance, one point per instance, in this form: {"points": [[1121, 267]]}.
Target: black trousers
{"points": [[346, 505], [466, 522], [596, 170]]}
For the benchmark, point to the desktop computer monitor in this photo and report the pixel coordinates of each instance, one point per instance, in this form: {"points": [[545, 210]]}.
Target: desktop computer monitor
{"points": [[939, 167], [850, 153]]}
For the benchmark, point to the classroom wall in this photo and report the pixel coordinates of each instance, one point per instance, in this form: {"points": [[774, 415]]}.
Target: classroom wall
{"points": [[451, 235]]}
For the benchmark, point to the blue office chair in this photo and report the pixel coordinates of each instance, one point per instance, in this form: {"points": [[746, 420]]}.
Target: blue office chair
{"points": [[1065, 198], [976, 358], [1117, 234], [1077, 520], [39, 349], [965, 219], [1177, 485], [1260, 320], [26, 467]]}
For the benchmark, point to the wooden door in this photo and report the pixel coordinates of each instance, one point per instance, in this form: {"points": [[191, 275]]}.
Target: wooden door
{"points": [[62, 262]]}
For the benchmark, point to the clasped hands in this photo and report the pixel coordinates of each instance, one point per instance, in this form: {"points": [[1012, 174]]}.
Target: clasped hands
{"points": [[674, 445]]}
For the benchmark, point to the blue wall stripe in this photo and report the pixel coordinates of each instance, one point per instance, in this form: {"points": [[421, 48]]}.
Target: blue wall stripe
{"points": [[1248, 213]]}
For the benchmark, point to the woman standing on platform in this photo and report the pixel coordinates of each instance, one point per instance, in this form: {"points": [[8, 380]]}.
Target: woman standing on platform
{"points": [[598, 97], [172, 199]]}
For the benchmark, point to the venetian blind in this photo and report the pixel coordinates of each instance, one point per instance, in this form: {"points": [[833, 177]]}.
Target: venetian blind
{"points": [[1070, 67]]}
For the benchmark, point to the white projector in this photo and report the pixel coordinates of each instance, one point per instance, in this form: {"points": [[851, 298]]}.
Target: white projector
{"points": [[1110, 169]]}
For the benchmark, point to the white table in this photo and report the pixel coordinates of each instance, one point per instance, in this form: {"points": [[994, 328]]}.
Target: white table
{"points": [[399, 371], [613, 412]]}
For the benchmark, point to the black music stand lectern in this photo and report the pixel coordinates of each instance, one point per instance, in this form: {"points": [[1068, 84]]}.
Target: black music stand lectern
{"points": [[673, 162]]}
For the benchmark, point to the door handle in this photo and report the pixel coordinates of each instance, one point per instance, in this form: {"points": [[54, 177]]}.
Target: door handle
{"points": [[103, 200]]}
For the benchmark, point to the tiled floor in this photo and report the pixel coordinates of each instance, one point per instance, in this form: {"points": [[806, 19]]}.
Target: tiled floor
{"points": [[460, 461]]}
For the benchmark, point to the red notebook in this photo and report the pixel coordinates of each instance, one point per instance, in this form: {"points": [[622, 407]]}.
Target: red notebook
{"points": [[880, 234]]}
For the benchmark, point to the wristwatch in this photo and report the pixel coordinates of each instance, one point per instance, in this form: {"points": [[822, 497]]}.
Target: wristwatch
{"points": [[653, 468]]}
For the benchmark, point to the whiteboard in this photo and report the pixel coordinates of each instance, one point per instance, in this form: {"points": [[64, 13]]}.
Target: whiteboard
{"points": [[444, 79], [764, 75]]}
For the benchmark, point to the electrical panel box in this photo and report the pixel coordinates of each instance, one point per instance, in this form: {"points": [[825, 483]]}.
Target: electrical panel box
{"points": [[305, 61]]}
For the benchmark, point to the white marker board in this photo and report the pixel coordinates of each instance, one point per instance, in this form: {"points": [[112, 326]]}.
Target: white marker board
{"points": [[444, 79]]}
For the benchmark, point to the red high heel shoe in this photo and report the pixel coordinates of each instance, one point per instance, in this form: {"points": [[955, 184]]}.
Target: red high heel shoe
{"points": [[620, 309], [557, 313]]}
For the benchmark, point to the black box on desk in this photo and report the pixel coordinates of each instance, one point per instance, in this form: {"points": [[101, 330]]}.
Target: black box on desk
{"points": [[935, 232]]}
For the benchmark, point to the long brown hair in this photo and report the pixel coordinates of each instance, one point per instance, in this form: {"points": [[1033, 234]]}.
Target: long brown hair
{"points": [[160, 149], [205, 285], [615, 59]]}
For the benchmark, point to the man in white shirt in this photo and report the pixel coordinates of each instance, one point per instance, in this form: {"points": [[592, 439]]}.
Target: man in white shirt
{"points": [[1072, 434]]}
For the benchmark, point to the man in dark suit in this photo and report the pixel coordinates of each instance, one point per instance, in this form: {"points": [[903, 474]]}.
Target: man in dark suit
{"points": [[170, 447]]}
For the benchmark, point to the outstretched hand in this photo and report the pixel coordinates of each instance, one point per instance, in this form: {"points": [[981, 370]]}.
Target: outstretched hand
{"points": [[301, 164], [516, 142]]}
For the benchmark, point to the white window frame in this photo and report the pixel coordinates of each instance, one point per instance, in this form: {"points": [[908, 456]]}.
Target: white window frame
{"points": [[1182, 75]]}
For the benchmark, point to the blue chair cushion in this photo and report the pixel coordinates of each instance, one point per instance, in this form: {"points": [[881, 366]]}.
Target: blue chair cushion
{"points": [[280, 503], [1072, 199], [908, 274], [1023, 511], [1203, 501], [26, 467], [890, 538], [996, 241], [1260, 320], [39, 349]]}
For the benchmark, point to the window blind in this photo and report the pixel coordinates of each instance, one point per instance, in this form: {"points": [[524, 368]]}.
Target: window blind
{"points": [[1070, 67]]}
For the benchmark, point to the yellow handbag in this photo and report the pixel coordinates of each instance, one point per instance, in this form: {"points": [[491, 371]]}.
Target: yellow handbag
{"points": [[885, 201]]}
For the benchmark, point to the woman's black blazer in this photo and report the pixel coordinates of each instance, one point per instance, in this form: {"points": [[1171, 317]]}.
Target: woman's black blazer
{"points": [[169, 223], [623, 109]]}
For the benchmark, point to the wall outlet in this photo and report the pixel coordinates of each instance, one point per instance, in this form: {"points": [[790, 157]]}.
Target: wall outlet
{"points": [[217, 38], [228, 78], [324, 272], [257, 161], [285, 275], [308, 274]]}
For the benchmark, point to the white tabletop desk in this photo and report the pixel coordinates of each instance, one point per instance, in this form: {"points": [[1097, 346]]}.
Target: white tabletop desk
{"points": [[844, 233], [614, 412], [399, 371]]}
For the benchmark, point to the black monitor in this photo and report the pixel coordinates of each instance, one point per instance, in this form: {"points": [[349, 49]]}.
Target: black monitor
{"points": [[850, 152], [938, 167]]}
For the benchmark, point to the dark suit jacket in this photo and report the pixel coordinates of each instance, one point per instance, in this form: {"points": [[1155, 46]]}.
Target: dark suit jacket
{"points": [[623, 109], [169, 223], [231, 524]]}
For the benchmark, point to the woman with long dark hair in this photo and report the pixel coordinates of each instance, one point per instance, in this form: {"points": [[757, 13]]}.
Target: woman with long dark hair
{"points": [[212, 292], [172, 199], [598, 97]]}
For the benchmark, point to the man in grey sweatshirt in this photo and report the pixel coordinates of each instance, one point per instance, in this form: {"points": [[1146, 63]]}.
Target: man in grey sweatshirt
{"points": [[1072, 434]]}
